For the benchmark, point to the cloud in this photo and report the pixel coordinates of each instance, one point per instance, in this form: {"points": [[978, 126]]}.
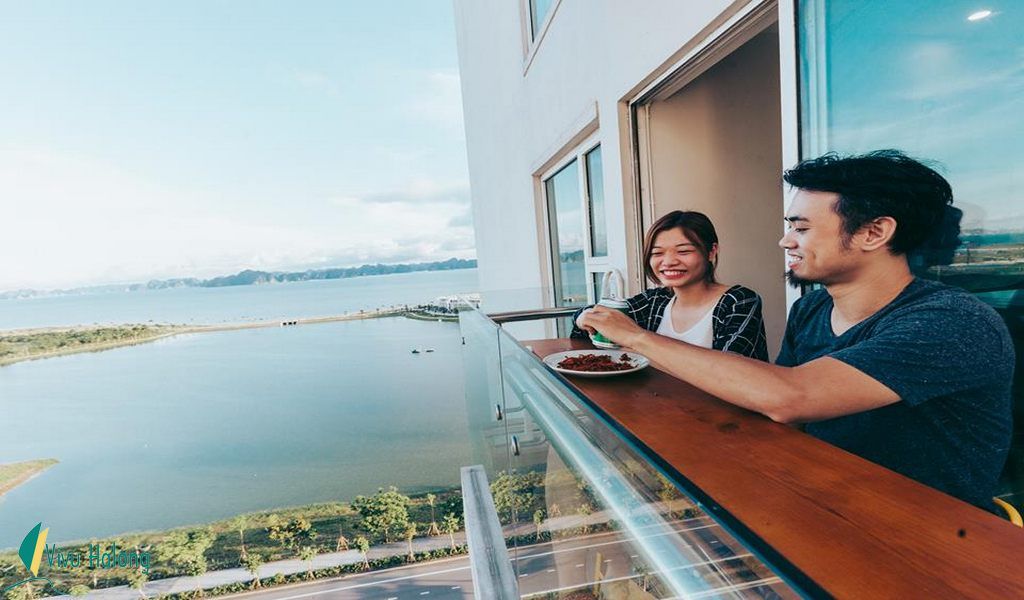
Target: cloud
{"points": [[426, 219], [439, 100], [417, 192], [464, 219], [459, 243], [71, 221], [934, 71], [428, 247]]}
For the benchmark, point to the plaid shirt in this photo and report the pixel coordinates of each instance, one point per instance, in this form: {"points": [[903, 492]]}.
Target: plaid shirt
{"points": [[736, 324]]}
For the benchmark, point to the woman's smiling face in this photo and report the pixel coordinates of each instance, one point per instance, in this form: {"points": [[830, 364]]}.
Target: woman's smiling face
{"points": [[676, 260]]}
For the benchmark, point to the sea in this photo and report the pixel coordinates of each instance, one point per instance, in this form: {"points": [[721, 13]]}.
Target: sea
{"points": [[198, 427]]}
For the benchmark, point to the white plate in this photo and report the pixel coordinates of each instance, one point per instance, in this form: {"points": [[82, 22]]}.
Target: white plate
{"points": [[639, 360]]}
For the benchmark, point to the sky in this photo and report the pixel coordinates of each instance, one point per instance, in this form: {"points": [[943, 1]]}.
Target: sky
{"points": [[158, 139], [924, 78]]}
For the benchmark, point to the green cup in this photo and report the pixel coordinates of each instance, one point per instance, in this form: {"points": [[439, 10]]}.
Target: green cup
{"points": [[599, 340]]}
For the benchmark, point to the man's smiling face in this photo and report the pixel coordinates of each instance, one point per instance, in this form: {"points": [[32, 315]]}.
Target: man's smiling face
{"points": [[814, 240]]}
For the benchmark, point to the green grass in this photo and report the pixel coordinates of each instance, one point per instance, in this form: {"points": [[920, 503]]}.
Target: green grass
{"points": [[21, 346], [13, 474], [326, 518]]}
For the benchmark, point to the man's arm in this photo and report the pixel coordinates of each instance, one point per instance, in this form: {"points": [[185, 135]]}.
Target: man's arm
{"points": [[821, 389]]}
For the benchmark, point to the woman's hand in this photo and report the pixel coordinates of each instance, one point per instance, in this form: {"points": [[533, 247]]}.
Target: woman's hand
{"points": [[582, 325], [612, 324]]}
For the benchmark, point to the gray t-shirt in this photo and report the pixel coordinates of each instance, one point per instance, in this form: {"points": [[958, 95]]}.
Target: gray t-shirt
{"points": [[950, 359]]}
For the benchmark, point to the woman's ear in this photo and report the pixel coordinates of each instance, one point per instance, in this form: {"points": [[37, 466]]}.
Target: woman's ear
{"points": [[713, 253]]}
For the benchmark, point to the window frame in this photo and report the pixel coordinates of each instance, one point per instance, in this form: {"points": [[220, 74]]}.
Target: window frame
{"points": [[531, 39], [591, 264]]}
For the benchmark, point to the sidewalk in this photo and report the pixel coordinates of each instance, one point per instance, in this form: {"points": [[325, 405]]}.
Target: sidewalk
{"points": [[173, 585]]}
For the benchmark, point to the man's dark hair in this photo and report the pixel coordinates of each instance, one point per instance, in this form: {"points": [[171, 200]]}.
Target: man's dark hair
{"points": [[884, 183]]}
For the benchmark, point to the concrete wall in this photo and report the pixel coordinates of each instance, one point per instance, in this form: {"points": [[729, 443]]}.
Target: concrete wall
{"points": [[518, 118], [715, 147]]}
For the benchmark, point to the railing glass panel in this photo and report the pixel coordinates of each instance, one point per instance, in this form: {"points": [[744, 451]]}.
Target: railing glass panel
{"points": [[592, 516]]}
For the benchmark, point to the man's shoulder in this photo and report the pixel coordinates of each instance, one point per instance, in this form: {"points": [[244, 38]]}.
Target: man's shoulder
{"points": [[932, 299], [948, 313]]}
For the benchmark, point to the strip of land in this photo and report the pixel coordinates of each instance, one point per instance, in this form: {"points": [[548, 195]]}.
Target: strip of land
{"points": [[33, 344], [14, 474], [276, 538]]}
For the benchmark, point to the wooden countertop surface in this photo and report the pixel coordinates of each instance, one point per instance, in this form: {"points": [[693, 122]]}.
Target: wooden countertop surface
{"points": [[854, 528]]}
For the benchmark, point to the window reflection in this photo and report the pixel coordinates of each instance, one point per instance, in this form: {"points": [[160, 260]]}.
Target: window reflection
{"points": [[595, 197], [538, 12], [940, 81], [566, 221]]}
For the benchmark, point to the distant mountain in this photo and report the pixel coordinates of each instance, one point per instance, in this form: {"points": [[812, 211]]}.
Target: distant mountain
{"points": [[250, 277]]}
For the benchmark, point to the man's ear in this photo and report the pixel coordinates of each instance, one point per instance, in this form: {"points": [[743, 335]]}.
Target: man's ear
{"points": [[876, 234]]}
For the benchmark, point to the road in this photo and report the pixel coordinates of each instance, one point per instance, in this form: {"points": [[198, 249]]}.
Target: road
{"points": [[541, 568]]}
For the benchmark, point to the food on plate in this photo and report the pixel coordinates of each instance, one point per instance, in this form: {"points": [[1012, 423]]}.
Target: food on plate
{"points": [[596, 362]]}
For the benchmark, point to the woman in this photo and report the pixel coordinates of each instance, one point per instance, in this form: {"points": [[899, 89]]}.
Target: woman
{"points": [[681, 253]]}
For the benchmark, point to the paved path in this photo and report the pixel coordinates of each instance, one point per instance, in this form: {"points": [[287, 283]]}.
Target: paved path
{"points": [[173, 585], [212, 579], [603, 559]]}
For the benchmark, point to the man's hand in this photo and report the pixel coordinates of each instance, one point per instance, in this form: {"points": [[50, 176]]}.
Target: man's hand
{"points": [[612, 324]]}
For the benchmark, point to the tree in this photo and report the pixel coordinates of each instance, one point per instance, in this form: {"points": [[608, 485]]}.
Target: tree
{"points": [[274, 527], [363, 545], [297, 531], [451, 525], [240, 524], [252, 563], [538, 520], [584, 511], [342, 540], [433, 518], [514, 493], [384, 513], [410, 532], [137, 580], [187, 550], [644, 573], [307, 554], [667, 493]]}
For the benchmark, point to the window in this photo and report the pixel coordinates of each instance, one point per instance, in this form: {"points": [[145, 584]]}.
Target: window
{"points": [[595, 204], [577, 227], [539, 10], [939, 81], [566, 221]]}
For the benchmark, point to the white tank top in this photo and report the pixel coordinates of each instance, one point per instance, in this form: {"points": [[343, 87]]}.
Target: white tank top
{"points": [[701, 334]]}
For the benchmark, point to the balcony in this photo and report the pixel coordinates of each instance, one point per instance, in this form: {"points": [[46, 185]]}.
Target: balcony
{"points": [[644, 487]]}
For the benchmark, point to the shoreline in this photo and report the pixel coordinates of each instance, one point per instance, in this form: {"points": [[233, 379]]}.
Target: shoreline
{"points": [[24, 471], [165, 331]]}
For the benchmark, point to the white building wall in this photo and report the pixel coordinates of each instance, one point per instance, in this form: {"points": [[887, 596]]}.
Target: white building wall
{"points": [[593, 53]]}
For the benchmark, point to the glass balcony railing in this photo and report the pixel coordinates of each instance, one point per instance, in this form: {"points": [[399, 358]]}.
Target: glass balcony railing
{"points": [[585, 512]]}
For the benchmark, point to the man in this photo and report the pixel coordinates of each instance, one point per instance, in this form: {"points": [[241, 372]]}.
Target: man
{"points": [[905, 372]]}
